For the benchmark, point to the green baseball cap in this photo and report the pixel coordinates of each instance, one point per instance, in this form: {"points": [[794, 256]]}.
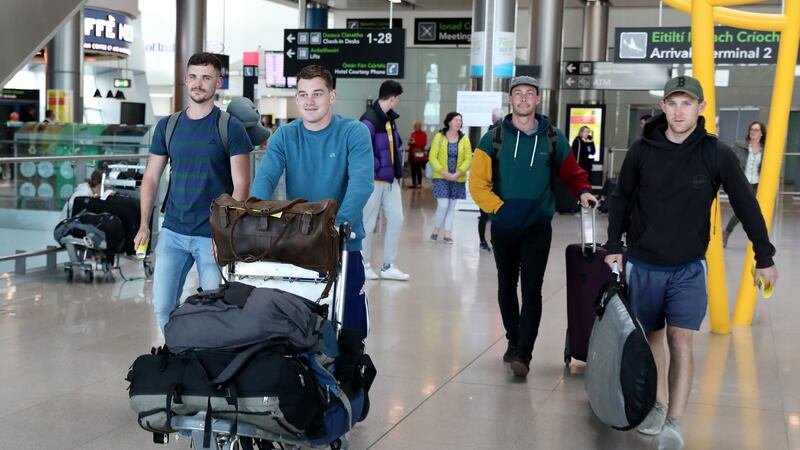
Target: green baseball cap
{"points": [[687, 85]]}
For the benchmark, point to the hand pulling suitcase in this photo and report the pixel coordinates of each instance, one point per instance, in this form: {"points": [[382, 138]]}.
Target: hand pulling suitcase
{"points": [[587, 272]]}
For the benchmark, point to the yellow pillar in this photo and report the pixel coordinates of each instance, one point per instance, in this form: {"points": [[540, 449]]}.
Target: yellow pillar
{"points": [[773, 151], [703, 70]]}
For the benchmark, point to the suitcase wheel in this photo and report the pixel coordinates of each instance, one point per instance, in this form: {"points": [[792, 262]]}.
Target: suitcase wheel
{"points": [[70, 274], [88, 276], [567, 352]]}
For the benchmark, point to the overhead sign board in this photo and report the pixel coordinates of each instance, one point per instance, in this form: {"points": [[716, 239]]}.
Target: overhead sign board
{"points": [[674, 45], [615, 76], [374, 23], [122, 82], [356, 53], [442, 31], [106, 33]]}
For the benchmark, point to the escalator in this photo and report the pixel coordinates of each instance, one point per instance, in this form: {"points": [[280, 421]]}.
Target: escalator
{"points": [[31, 26]]}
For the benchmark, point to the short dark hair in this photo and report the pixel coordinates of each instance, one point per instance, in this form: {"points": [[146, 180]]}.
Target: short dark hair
{"points": [[95, 178], [763, 132], [49, 113], [389, 88], [646, 117], [205, 59], [449, 118], [316, 71]]}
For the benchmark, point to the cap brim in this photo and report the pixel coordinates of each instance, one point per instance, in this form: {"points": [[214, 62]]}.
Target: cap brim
{"points": [[675, 91]]}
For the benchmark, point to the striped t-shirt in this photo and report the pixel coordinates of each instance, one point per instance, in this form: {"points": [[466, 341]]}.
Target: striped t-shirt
{"points": [[201, 170]]}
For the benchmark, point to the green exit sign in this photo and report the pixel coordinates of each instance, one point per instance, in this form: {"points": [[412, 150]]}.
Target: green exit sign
{"points": [[122, 82]]}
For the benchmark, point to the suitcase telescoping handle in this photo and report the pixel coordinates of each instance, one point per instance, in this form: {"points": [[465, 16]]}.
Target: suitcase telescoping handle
{"points": [[345, 234], [584, 242]]}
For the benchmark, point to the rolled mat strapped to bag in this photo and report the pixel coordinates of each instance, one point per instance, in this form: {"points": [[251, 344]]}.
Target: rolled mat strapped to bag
{"points": [[296, 232]]}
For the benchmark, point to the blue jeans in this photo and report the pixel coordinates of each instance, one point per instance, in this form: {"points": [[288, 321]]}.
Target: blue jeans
{"points": [[175, 255]]}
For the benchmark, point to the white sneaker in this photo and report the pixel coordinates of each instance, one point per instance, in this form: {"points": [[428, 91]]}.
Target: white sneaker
{"points": [[671, 437], [652, 424], [393, 273], [369, 273]]}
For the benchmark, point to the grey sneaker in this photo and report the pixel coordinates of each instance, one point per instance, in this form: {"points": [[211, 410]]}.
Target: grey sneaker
{"points": [[671, 437], [652, 424]]}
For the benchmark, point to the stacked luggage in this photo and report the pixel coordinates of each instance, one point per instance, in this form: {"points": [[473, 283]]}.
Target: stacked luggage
{"points": [[98, 232], [251, 365]]}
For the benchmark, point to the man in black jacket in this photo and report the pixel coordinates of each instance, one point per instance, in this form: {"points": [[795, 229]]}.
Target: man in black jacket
{"points": [[662, 201]]}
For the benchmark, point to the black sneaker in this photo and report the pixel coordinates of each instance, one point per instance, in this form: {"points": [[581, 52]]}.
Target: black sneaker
{"points": [[485, 246], [519, 367], [508, 356]]}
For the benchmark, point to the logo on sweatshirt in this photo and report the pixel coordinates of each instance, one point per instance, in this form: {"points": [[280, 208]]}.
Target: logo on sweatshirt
{"points": [[332, 155], [699, 181]]}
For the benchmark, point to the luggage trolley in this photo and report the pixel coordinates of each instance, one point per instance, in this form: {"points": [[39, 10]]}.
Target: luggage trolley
{"points": [[299, 281]]}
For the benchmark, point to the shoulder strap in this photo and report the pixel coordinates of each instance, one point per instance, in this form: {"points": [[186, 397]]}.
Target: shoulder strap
{"points": [[222, 126], [710, 160], [497, 142], [172, 122], [552, 136]]}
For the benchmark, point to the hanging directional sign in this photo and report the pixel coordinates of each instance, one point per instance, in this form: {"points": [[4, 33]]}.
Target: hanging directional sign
{"points": [[614, 76], [347, 53]]}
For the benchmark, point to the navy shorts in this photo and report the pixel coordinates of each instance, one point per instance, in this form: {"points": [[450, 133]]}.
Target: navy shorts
{"points": [[675, 295]]}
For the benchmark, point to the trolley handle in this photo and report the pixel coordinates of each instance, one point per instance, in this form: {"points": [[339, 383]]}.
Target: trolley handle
{"points": [[584, 244]]}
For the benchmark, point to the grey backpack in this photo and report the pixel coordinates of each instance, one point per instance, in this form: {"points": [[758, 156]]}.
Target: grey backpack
{"points": [[621, 374], [239, 315]]}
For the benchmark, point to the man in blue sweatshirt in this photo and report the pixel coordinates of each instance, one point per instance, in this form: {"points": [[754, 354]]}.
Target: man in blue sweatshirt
{"points": [[325, 156]]}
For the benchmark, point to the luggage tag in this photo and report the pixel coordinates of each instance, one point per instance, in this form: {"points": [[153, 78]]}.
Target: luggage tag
{"points": [[277, 215], [766, 289]]}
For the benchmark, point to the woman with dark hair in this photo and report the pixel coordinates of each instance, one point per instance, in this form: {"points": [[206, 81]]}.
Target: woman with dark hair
{"points": [[450, 158], [583, 148], [750, 153]]}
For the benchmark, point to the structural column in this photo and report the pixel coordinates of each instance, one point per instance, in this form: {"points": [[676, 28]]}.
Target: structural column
{"points": [[546, 24], [65, 64], [302, 9], [316, 16], [595, 32], [190, 34], [493, 48]]}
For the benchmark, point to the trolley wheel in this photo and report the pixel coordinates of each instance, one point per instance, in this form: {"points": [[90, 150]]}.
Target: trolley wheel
{"points": [[70, 274], [567, 352], [148, 269], [88, 276]]}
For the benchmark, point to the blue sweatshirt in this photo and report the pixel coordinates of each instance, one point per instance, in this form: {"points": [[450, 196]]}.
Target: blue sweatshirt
{"points": [[335, 162]]}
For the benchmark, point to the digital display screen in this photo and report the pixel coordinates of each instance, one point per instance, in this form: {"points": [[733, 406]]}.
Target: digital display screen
{"points": [[273, 71]]}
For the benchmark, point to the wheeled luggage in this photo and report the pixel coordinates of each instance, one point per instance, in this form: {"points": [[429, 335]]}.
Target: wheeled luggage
{"points": [[341, 375], [587, 272], [621, 376]]}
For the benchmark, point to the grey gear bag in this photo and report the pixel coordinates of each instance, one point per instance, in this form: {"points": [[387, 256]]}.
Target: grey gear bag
{"points": [[237, 315], [621, 376]]}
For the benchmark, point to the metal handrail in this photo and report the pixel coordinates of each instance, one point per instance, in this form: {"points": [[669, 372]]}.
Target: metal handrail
{"points": [[31, 254], [123, 157]]}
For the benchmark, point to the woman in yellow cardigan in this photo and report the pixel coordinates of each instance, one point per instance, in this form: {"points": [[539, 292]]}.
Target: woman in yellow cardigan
{"points": [[450, 157]]}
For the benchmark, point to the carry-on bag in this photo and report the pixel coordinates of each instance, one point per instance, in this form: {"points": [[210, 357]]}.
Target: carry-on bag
{"points": [[297, 232], [238, 315], [587, 272], [621, 376]]}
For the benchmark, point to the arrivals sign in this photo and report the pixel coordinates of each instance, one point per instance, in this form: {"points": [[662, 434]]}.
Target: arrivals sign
{"points": [[347, 53], [106, 33], [442, 31], [674, 45]]}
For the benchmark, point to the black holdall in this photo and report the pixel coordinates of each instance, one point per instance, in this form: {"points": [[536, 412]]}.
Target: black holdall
{"points": [[238, 315], [261, 386]]}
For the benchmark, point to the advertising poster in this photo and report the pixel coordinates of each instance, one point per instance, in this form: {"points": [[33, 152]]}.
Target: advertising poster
{"points": [[503, 54], [476, 53], [591, 116]]}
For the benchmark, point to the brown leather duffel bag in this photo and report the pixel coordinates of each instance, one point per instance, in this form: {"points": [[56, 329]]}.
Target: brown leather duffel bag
{"points": [[297, 232]]}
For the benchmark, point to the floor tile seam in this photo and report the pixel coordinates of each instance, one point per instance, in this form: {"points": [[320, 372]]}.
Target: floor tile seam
{"points": [[75, 390], [724, 405], [780, 381], [439, 388]]}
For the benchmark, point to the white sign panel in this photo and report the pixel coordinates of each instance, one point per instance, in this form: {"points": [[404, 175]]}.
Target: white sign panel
{"points": [[476, 107]]}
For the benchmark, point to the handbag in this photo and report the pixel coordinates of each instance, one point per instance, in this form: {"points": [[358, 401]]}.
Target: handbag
{"points": [[296, 232], [428, 171]]}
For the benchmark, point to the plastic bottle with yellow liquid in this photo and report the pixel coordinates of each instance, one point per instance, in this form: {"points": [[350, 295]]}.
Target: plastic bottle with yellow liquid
{"points": [[141, 250], [766, 288]]}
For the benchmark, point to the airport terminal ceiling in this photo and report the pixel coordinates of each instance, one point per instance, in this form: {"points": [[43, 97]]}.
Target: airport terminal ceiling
{"points": [[439, 5]]}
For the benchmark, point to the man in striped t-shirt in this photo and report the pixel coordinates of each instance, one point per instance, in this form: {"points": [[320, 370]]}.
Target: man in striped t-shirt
{"points": [[201, 170]]}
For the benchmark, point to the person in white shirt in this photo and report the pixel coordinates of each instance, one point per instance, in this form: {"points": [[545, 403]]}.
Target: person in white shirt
{"points": [[750, 153], [89, 188]]}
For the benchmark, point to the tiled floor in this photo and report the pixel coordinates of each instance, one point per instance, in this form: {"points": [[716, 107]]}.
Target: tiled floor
{"points": [[437, 341]]}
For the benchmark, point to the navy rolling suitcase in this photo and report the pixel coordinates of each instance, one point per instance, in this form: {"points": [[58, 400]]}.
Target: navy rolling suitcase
{"points": [[587, 272]]}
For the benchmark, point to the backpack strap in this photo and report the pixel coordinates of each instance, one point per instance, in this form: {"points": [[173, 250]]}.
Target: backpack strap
{"points": [[172, 123], [552, 136], [497, 147], [222, 126]]}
